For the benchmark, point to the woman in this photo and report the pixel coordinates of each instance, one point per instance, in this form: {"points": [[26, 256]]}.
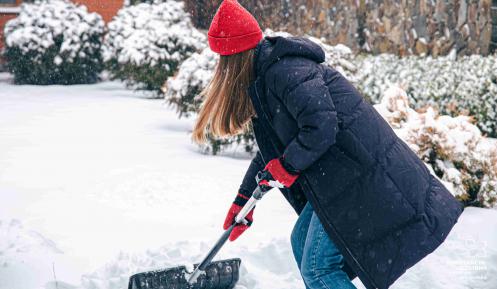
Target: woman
{"points": [[368, 206]]}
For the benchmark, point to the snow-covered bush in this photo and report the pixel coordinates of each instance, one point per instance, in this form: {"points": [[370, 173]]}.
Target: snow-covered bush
{"points": [[487, 195], [466, 85], [340, 57], [183, 92], [54, 42], [194, 74], [146, 43], [245, 140], [134, 2], [452, 147]]}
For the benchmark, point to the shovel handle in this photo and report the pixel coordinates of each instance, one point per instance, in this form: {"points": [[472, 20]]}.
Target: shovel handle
{"points": [[212, 253], [240, 218], [249, 206]]}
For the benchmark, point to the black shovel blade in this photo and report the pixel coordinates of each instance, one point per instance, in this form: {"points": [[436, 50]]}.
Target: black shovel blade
{"points": [[218, 275]]}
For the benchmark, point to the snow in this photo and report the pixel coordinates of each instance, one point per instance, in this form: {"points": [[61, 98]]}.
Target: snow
{"points": [[38, 27], [149, 34], [10, 10], [465, 85], [194, 74], [98, 182]]}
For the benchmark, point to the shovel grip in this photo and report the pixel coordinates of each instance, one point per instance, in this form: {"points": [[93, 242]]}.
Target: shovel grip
{"points": [[250, 205]]}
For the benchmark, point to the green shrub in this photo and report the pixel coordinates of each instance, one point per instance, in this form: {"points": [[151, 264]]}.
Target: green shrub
{"points": [[452, 147], [54, 42], [146, 43], [194, 74], [466, 85]]}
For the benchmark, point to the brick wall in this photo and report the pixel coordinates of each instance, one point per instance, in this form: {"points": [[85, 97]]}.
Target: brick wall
{"points": [[106, 8], [8, 12], [4, 17]]}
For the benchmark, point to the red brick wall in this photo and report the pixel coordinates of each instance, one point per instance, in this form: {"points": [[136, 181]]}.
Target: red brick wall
{"points": [[4, 17], [106, 8]]}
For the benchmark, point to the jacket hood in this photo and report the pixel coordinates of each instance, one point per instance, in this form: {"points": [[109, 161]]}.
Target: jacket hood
{"points": [[272, 49]]}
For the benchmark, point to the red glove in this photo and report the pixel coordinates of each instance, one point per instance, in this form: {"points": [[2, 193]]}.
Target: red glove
{"points": [[237, 206], [279, 174]]}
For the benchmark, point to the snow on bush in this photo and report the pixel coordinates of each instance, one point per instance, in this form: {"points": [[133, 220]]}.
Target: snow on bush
{"points": [[487, 194], [194, 74], [183, 92], [134, 2], [146, 43], [339, 57], [466, 85], [453, 147], [54, 42], [216, 145]]}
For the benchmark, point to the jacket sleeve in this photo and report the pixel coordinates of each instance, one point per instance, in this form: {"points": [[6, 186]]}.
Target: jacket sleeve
{"points": [[248, 184], [305, 95]]}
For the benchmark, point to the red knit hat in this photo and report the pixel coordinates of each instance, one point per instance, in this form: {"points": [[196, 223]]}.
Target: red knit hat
{"points": [[233, 29]]}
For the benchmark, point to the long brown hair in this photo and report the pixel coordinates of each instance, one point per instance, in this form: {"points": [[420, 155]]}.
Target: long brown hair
{"points": [[227, 108]]}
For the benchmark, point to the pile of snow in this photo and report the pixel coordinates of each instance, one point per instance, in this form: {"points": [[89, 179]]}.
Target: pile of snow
{"points": [[453, 147], [145, 43], [25, 256], [265, 265], [16, 239], [467, 259], [465, 85], [54, 41]]}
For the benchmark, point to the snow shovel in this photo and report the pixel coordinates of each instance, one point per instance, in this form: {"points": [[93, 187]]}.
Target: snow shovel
{"points": [[222, 274]]}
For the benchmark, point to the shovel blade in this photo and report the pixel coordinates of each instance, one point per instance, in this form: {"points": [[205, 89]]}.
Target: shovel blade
{"points": [[218, 275]]}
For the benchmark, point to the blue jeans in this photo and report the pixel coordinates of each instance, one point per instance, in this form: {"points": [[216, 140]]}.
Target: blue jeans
{"points": [[319, 261]]}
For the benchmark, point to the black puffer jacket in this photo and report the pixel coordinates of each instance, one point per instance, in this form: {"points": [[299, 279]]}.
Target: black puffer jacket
{"points": [[376, 199]]}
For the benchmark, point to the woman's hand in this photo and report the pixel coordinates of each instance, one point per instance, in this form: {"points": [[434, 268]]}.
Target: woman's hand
{"points": [[277, 174], [235, 208]]}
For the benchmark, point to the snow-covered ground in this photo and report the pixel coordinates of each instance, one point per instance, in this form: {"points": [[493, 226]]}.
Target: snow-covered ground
{"points": [[97, 183]]}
